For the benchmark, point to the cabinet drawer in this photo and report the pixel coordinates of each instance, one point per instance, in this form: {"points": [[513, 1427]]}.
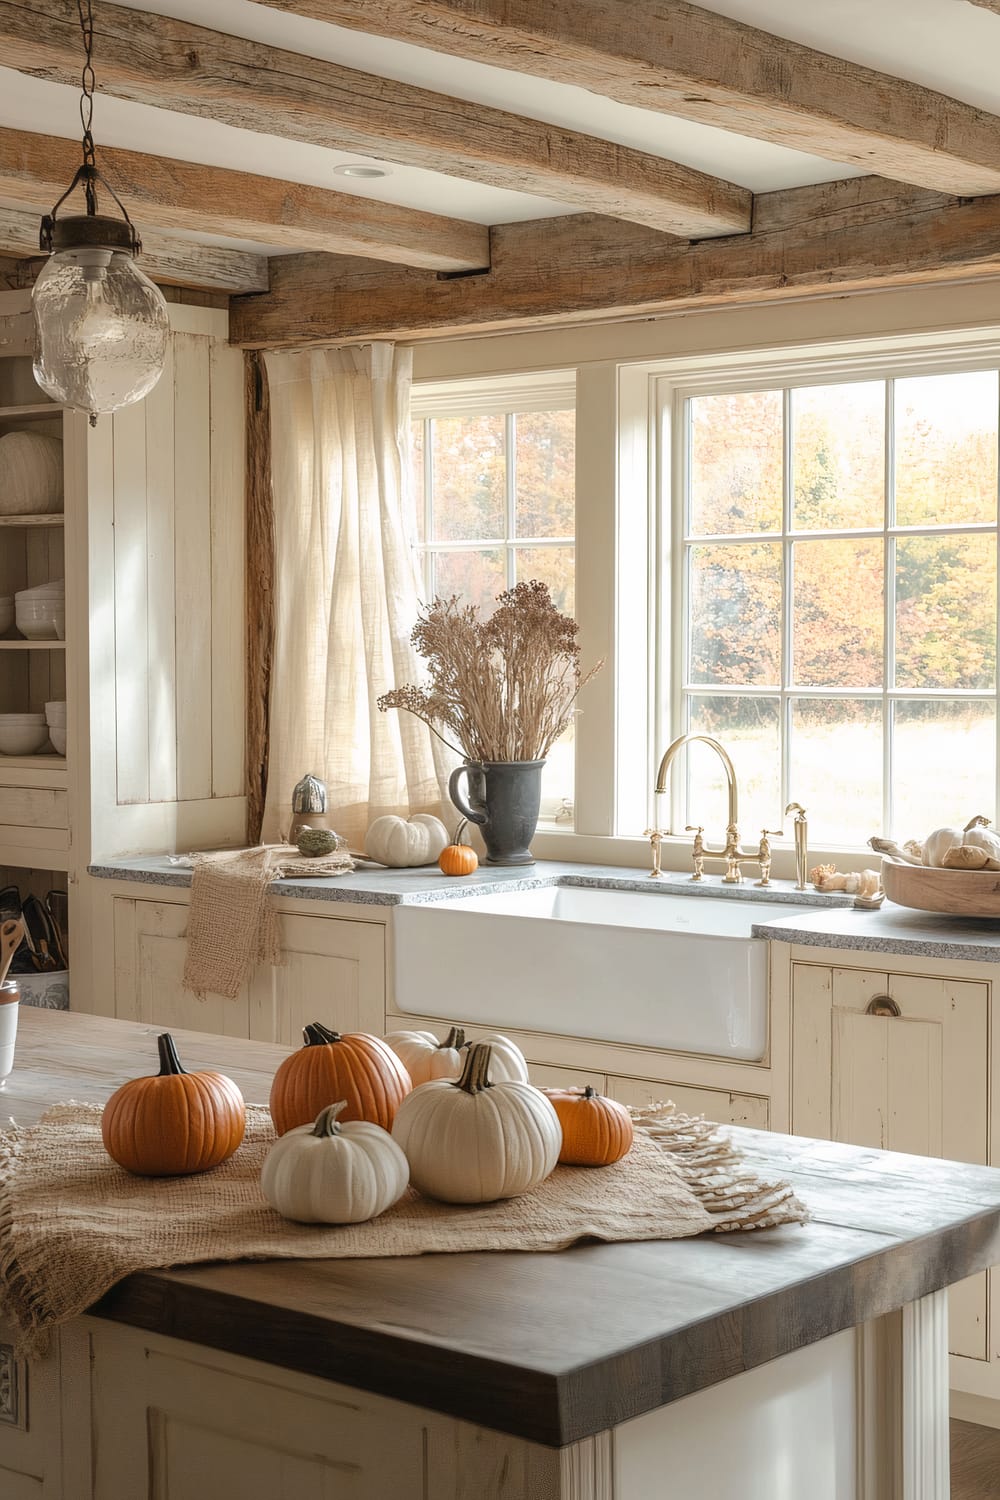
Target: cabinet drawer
{"points": [[545, 1076], [720, 1105], [33, 807]]}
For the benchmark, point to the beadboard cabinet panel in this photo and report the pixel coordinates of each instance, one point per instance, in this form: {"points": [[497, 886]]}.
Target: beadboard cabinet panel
{"points": [[164, 501], [916, 1082], [715, 1104], [332, 971]]}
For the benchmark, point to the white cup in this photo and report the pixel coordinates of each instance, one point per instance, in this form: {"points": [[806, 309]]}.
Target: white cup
{"points": [[9, 998]]}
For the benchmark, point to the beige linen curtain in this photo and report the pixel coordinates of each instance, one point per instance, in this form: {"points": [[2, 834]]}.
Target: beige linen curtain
{"points": [[346, 590]]}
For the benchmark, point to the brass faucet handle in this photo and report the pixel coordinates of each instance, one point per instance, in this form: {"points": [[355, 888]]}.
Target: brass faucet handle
{"points": [[656, 837], [772, 833], [694, 828]]}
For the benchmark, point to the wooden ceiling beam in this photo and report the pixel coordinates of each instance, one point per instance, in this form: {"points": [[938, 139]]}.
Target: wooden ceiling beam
{"points": [[674, 57], [165, 257], [170, 64], [862, 234], [35, 170]]}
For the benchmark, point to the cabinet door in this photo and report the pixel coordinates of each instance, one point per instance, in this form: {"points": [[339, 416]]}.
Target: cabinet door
{"points": [[332, 971], [150, 948], [916, 1082], [715, 1104]]}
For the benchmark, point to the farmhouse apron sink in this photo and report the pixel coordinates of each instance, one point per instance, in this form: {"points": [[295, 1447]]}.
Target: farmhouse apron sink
{"points": [[681, 973]]}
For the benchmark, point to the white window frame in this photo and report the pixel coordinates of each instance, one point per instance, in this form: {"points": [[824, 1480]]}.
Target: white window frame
{"points": [[507, 396], [785, 370]]}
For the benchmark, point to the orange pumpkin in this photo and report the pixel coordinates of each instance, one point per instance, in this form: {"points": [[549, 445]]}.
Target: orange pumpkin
{"points": [[175, 1122], [458, 858], [358, 1068], [596, 1131]]}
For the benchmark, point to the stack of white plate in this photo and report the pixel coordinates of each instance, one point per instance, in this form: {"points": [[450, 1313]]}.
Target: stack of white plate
{"points": [[40, 613], [55, 718], [6, 613], [22, 734]]}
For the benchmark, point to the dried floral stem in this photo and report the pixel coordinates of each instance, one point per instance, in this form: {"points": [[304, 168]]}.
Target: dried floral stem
{"points": [[505, 688]]}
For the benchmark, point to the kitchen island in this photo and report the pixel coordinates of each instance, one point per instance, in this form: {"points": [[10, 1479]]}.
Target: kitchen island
{"points": [[781, 1363]]}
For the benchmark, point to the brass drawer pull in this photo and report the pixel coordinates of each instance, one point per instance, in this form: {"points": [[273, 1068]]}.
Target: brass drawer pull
{"points": [[882, 1005]]}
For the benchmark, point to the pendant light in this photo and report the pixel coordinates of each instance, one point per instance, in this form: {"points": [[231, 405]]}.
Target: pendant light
{"points": [[101, 324]]}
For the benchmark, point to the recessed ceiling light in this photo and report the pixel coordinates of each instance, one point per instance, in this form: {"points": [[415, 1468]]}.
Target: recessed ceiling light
{"points": [[352, 169]]}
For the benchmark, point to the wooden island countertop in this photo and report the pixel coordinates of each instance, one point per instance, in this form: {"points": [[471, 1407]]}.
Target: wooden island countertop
{"points": [[549, 1348]]}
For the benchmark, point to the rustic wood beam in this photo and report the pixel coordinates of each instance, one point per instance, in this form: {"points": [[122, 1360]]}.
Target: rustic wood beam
{"points": [[35, 170], [861, 234], [171, 64], [993, 5], [164, 258], [670, 56]]}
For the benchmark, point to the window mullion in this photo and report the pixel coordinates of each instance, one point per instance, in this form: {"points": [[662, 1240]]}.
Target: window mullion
{"points": [[889, 611], [428, 559], [787, 596], [510, 497]]}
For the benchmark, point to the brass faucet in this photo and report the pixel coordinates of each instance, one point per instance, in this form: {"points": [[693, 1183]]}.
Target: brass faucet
{"points": [[732, 853]]}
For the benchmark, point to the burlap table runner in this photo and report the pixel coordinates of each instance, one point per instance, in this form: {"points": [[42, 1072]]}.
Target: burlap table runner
{"points": [[72, 1223], [232, 925]]}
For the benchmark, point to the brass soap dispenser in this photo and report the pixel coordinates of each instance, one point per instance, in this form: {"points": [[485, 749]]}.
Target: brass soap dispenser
{"points": [[801, 849]]}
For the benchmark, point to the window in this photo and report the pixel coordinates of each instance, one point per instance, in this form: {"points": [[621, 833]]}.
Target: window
{"points": [[493, 471], [833, 577]]}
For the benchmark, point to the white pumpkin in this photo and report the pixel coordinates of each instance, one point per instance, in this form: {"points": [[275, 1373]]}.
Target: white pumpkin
{"points": [[976, 832], [424, 1057], [473, 1141], [329, 1173], [402, 842]]}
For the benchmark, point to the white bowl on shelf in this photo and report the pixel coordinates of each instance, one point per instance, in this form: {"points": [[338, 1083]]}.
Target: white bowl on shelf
{"points": [[55, 712], [23, 739], [57, 734], [40, 619], [56, 588]]}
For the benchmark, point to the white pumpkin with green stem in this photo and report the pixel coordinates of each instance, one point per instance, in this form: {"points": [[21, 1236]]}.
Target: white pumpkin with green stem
{"points": [[424, 1057], [328, 1173], [403, 843], [473, 1141]]}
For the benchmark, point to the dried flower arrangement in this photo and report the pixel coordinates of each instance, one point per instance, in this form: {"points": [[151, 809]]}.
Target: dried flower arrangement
{"points": [[501, 689]]}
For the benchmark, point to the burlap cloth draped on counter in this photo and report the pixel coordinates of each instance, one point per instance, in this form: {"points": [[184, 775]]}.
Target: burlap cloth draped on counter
{"points": [[232, 925], [72, 1223]]}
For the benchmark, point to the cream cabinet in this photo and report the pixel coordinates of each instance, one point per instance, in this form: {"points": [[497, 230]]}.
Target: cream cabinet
{"points": [[899, 1061], [333, 970]]}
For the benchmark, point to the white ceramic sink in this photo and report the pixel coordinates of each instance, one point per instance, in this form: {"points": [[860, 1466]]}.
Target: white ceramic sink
{"points": [[678, 972]]}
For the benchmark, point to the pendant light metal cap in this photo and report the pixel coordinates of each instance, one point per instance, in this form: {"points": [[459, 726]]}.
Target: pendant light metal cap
{"points": [[88, 232]]}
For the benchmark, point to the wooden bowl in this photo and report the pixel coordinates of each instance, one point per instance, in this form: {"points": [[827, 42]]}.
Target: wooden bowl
{"points": [[955, 893]]}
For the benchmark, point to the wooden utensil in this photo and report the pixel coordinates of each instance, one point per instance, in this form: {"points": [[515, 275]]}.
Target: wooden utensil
{"points": [[11, 935]]}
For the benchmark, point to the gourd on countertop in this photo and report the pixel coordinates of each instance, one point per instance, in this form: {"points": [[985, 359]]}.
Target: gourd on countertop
{"points": [[173, 1122], [357, 1068], [424, 1057], [597, 1131], [473, 1141], [458, 858], [333, 1173], [402, 843]]}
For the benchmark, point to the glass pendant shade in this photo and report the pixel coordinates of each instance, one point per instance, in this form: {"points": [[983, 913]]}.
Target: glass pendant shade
{"points": [[101, 326]]}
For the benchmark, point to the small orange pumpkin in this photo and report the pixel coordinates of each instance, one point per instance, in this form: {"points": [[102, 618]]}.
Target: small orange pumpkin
{"points": [[458, 858], [174, 1122], [596, 1131], [358, 1068]]}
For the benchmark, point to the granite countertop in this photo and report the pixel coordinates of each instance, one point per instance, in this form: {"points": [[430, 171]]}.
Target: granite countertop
{"points": [[372, 885], [892, 929], [550, 1347]]}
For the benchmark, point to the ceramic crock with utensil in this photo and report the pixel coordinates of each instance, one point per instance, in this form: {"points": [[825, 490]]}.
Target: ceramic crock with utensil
{"points": [[11, 933]]}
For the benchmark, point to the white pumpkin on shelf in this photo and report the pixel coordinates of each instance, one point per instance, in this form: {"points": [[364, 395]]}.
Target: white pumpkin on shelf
{"points": [[473, 1141], [425, 1058], [328, 1173], [403, 843]]}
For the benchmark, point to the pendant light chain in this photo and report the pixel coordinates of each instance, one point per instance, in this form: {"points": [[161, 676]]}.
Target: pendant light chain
{"points": [[88, 82]]}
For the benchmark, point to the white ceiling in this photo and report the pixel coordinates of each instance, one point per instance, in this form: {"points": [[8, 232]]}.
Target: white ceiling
{"points": [[949, 45]]}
